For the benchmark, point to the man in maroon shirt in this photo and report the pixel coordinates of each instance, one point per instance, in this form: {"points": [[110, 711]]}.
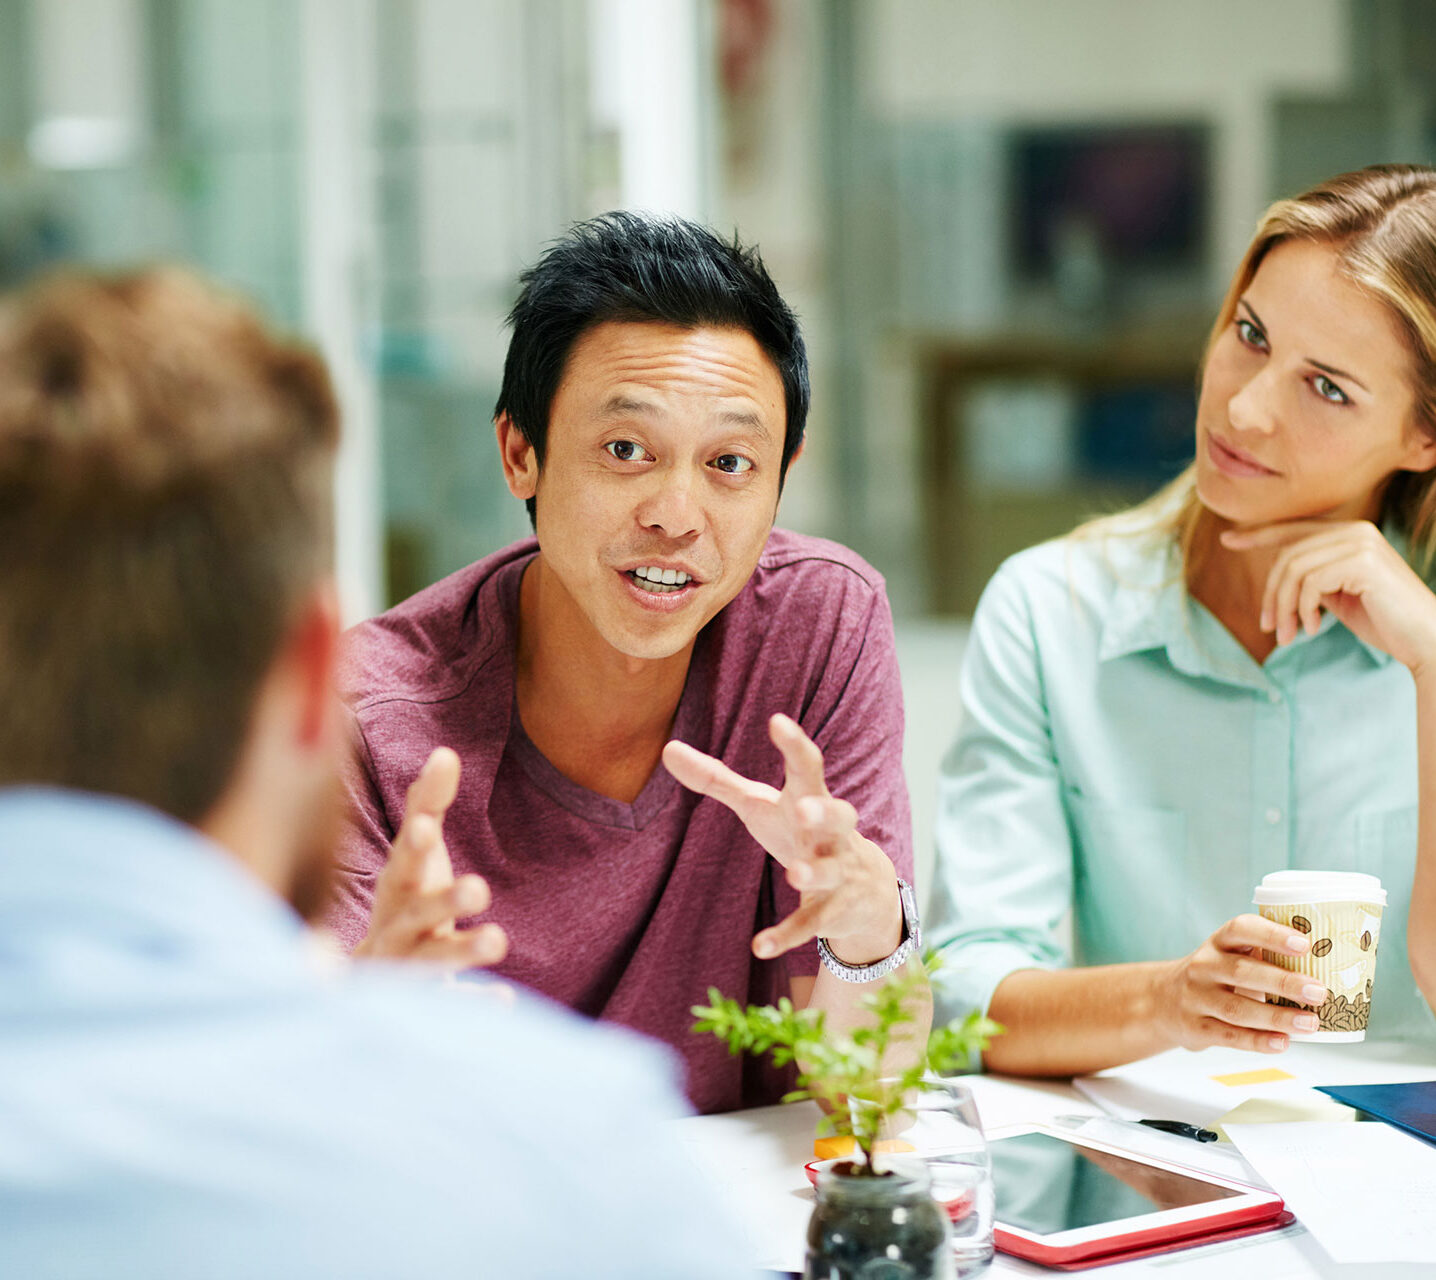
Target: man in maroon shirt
{"points": [[659, 631]]}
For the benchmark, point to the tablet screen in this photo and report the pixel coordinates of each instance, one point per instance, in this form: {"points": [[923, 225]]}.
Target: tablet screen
{"points": [[1045, 1185]]}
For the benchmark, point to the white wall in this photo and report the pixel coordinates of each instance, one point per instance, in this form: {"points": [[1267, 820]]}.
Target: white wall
{"points": [[87, 59], [652, 86], [930, 658], [772, 192], [1036, 60]]}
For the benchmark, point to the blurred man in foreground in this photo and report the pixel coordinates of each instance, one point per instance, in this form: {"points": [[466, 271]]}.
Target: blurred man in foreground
{"points": [[184, 1090]]}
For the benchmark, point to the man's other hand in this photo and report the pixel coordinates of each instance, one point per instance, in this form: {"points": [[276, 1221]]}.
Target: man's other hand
{"points": [[416, 897]]}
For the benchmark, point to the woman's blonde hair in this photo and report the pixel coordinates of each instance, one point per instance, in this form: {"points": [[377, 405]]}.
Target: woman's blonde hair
{"points": [[1382, 223]]}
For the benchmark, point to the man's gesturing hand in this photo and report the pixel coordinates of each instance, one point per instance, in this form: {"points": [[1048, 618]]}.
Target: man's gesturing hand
{"points": [[848, 886], [416, 897]]}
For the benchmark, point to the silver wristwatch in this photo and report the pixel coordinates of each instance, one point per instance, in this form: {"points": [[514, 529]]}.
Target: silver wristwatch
{"points": [[911, 941]]}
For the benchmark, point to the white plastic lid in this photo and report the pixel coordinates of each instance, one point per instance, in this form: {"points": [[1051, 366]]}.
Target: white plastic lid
{"points": [[1282, 888]]}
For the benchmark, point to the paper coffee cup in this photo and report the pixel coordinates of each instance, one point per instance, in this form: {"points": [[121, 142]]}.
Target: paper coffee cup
{"points": [[1340, 913]]}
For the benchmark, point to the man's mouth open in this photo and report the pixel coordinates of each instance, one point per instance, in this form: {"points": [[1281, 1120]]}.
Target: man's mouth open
{"points": [[659, 582]]}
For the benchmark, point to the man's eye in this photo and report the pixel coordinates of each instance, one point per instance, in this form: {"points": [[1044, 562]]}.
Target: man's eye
{"points": [[733, 463], [1251, 335], [1328, 390], [626, 450]]}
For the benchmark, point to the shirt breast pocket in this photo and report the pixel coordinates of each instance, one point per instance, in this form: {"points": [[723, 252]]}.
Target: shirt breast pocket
{"points": [[1386, 845], [1131, 890]]}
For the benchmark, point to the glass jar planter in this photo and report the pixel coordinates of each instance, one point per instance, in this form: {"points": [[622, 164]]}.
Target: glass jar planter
{"points": [[883, 1227]]}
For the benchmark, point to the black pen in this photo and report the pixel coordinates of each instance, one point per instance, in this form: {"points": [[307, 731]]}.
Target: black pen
{"points": [[1181, 1130]]}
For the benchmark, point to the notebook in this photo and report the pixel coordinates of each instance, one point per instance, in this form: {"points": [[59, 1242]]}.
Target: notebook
{"points": [[1411, 1107]]}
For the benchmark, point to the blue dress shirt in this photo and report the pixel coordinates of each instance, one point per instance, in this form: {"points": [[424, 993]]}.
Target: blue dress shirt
{"points": [[186, 1093], [1122, 757]]}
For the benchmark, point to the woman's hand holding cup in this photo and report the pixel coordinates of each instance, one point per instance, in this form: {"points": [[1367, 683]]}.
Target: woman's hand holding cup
{"points": [[1215, 996]]}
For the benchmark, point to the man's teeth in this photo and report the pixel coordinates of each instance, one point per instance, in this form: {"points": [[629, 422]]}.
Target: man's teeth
{"points": [[660, 580]]}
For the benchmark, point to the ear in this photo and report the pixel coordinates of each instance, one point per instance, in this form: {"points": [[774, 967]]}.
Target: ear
{"points": [[521, 468], [798, 452], [313, 655], [1421, 455]]}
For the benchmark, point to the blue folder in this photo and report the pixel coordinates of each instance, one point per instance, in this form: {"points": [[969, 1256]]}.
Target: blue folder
{"points": [[1407, 1106]]}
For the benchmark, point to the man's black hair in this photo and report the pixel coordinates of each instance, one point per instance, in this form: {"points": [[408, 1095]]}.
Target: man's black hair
{"points": [[638, 267]]}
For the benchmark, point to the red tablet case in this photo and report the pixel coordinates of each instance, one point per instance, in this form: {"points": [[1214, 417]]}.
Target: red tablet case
{"points": [[1283, 1219], [1141, 1244]]}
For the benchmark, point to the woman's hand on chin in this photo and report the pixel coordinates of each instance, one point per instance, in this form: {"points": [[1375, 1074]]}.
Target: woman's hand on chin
{"points": [[1348, 568]]}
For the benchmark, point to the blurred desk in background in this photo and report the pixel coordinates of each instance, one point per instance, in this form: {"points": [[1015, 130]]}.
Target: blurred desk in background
{"points": [[1024, 435]]}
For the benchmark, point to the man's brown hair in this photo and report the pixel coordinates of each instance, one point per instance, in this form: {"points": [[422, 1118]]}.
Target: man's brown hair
{"points": [[165, 505]]}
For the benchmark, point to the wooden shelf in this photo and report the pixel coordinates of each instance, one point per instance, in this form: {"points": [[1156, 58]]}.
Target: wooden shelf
{"points": [[970, 527]]}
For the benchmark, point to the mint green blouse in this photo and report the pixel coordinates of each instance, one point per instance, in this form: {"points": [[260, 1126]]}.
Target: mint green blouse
{"points": [[1122, 758]]}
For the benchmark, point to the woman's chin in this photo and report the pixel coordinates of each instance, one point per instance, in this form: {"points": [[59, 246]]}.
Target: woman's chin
{"points": [[1218, 500], [1215, 502]]}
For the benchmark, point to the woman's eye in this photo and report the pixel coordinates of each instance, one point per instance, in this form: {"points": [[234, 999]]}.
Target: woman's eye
{"points": [[733, 464], [1251, 335], [626, 450], [1328, 390]]}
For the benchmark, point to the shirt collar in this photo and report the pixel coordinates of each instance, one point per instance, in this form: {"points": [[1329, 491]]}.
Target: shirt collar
{"points": [[1151, 609], [1147, 606]]}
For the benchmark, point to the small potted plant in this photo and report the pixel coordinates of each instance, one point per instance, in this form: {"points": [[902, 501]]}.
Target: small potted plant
{"points": [[866, 1208]]}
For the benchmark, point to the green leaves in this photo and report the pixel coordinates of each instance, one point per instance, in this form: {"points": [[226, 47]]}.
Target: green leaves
{"points": [[777, 1029], [832, 1069]]}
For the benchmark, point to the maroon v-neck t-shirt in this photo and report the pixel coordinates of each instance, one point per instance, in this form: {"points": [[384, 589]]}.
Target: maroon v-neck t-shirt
{"points": [[630, 912]]}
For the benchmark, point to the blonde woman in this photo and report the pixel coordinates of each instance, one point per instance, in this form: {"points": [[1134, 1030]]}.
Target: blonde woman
{"points": [[1236, 677]]}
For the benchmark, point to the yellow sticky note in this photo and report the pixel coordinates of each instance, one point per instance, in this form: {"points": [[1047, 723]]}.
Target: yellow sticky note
{"points": [[1286, 1110], [1267, 1075]]}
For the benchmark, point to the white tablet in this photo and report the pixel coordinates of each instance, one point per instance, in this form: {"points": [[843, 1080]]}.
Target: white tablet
{"points": [[1064, 1197]]}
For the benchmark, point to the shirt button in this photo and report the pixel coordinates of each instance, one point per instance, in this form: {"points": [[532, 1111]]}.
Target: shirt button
{"points": [[1273, 816], [1273, 697]]}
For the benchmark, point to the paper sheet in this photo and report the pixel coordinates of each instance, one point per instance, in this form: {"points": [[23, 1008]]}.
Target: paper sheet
{"points": [[1002, 1102], [1203, 1088], [1364, 1191]]}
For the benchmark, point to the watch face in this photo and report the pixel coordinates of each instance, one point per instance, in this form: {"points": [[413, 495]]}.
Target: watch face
{"points": [[912, 927]]}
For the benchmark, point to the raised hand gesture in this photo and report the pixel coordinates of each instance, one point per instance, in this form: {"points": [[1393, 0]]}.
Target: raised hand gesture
{"points": [[416, 897], [847, 884]]}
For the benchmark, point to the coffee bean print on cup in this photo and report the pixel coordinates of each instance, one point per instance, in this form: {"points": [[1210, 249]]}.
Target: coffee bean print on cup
{"points": [[1321, 947], [1301, 924], [1341, 1014]]}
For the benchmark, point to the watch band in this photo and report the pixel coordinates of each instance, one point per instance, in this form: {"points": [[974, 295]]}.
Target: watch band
{"points": [[911, 941]]}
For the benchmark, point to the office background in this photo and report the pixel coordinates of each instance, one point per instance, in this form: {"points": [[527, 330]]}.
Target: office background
{"points": [[1006, 225]]}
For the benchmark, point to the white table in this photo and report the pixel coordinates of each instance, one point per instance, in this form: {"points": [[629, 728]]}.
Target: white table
{"points": [[755, 1158]]}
